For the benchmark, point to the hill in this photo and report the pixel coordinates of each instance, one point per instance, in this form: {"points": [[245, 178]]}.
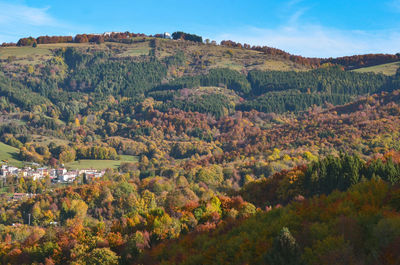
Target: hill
{"points": [[10, 155], [349, 212], [225, 153], [386, 69], [348, 62], [360, 226], [67, 102], [199, 57]]}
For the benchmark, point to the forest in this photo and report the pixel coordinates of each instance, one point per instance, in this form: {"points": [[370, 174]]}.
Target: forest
{"points": [[158, 220], [218, 163]]}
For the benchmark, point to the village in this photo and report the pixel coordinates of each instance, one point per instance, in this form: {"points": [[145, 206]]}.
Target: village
{"points": [[60, 175]]}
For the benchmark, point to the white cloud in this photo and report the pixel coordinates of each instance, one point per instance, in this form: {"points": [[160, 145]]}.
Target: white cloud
{"points": [[318, 41], [294, 18], [314, 40], [17, 20], [10, 14]]}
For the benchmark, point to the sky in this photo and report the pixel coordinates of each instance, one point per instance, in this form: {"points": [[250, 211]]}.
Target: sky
{"points": [[309, 28]]}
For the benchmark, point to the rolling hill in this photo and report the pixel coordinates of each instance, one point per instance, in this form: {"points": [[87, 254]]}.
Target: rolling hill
{"points": [[386, 69], [67, 99], [224, 154], [200, 57], [9, 155]]}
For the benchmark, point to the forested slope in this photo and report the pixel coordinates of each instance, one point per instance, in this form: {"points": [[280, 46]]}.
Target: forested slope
{"points": [[361, 226], [223, 153]]}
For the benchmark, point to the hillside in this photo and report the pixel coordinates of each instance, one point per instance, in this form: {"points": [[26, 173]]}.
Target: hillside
{"points": [[101, 164], [386, 69], [348, 213], [209, 149], [199, 57], [174, 100], [9, 154], [360, 226]]}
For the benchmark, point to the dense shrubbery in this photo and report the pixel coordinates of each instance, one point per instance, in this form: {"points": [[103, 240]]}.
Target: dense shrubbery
{"points": [[231, 78], [79, 38], [277, 91], [216, 104], [121, 77], [19, 94], [291, 100], [357, 61], [329, 80], [97, 152], [216, 77], [358, 226], [179, 35], [349, 62], [340, 173]]}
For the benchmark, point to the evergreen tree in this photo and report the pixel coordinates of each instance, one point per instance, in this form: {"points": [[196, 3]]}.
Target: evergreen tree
{"points": [[284, 251]]}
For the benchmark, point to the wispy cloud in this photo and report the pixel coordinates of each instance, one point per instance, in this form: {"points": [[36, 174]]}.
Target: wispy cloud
{"points": [[17, 20], [294, 18], [318, 41], [313, 40], [21, 14]]}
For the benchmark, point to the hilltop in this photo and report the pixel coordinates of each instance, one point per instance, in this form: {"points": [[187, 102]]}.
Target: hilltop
{"points": [[141, 44], [199, 57]]}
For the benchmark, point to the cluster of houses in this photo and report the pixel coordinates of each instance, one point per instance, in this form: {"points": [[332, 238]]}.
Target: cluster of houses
{"points": [[56, 175]]}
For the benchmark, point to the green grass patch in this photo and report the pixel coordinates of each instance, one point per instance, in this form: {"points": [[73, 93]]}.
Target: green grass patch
{"points": [[46, 140], [226, 63], [386, 69], [10, 154], [101, 164], [23, 52], [136, 49]]}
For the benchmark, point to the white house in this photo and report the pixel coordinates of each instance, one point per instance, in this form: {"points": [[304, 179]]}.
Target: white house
{"points": [[36, 175], [167, 35], [44, 171], [69, 176], [86, 171], [53, 173], [3, 171], [13, 170], [61, 172]]}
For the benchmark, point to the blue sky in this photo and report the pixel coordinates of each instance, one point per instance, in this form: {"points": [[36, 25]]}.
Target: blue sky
{"points": [[305, 27]]}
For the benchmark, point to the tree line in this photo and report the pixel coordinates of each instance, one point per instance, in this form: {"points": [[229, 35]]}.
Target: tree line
{"points": [[348, 62]]}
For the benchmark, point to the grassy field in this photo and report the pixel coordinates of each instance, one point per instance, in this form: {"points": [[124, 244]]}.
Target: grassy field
{"points": [[26, 55], [386, 69], [100, 164], [23, 52], [46, 140], [43, 52], [10, 154], [136, 49]]}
